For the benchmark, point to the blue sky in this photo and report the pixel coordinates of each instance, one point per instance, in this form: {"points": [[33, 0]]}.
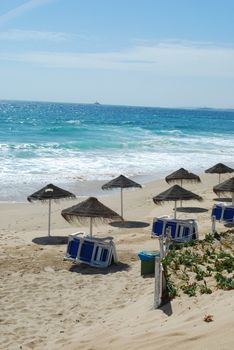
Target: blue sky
{"points": [[172, 53]]}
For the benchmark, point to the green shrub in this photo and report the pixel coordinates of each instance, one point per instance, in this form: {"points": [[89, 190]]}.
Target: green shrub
{"points": [[200, 274], [226, 264], [223, 282], [190, 289], [204, 289]]}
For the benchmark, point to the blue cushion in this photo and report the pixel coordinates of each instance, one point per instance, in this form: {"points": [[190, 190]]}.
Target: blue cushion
{"points": [[186, 232], [96, 251], [158, 227], [86, 251], [104, 255], [217, 212], [73, 247], [228, 214]]}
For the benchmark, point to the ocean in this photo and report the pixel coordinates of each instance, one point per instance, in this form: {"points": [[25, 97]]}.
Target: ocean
{"points": [[67, 143]]}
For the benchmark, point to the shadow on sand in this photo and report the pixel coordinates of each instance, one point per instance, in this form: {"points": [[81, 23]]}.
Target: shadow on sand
{"points": [[129, 224], [229, 224], [222, 199], [50, 240], [191, 210], [166, 308], [89, 270]]}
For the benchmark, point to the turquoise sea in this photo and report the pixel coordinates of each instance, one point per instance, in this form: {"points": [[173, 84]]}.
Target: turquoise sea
{"points": [[62, 142]]}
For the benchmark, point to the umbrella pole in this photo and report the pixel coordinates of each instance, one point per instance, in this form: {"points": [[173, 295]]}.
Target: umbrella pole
{"points": [[49, 217], [121, 195], [219, 183], [91, 227], [181, 186], [232, 198], [175, 211]]}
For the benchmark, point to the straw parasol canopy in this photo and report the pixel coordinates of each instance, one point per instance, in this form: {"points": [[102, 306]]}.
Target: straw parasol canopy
{"points": [[180, 175], [91, 209], [175, 193], [225, 187], [121, 182], [48, 193], [219, 168]]}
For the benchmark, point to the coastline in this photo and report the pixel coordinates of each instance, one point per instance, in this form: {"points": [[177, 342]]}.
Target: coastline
{"points": [[86, 188], [81, 188]]}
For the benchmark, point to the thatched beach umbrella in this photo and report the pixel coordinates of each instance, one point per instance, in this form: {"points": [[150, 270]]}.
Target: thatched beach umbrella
{"points": [[48, 193], [219, 168], [175, 193], [121, 182], [225, 187], [182, 175], [92, 209]]}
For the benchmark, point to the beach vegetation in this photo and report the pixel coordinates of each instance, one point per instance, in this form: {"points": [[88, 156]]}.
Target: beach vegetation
{"points": [[204, 289], [224, 282], [200, 273], [190, 289], [171, 289], [200, 267]]}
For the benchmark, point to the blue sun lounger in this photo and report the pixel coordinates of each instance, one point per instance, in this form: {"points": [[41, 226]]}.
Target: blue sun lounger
{"points": [[94, 251], [180, 230], [223, 212], [228, 214], [217, 212]]}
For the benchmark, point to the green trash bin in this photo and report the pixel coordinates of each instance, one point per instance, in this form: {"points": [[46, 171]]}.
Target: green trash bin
{"points": [[148, 262]]}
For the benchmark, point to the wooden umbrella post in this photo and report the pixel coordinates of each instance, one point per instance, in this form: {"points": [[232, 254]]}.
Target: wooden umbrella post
{"points": [[49, 218], [175, 211], [121, 198], [91, 227], [181, 186], [219, 183]]}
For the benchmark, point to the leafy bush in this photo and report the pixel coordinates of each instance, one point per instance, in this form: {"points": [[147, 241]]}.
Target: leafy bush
{"points": [[200, 274], [190, 289], [225, 264], [172, 292], [223, 282], [193, 261]]}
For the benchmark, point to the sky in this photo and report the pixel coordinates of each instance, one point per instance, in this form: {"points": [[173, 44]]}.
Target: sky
{"points": [[166, 53]]}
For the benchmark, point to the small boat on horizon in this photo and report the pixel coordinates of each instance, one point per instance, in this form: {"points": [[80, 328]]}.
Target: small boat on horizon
{"points": [[97, 103]]}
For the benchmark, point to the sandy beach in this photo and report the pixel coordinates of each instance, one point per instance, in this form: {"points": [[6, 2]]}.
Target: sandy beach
{"points": [[48, 303]]}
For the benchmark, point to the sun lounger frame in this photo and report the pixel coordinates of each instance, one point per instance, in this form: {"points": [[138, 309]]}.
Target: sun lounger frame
{"points": [[220, 210], [93, 251], [180, 230]]}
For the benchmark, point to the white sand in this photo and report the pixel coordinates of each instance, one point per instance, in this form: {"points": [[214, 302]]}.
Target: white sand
{"points": [[47, 303]]}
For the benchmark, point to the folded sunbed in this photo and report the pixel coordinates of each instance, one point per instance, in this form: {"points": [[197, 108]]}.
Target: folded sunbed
{"points": [[94, 251], [223, 212], [179, 230]]}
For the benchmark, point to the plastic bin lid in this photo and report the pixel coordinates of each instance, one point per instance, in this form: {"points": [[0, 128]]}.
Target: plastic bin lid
{"points": [[148, 255]]}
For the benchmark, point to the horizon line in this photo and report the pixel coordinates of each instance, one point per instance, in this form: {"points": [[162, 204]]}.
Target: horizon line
{"points": [[116, 105]]}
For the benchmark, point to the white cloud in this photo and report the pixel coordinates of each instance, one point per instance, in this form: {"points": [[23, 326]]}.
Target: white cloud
{"points": [[21, 10], [164, 59], [23, 35]]}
